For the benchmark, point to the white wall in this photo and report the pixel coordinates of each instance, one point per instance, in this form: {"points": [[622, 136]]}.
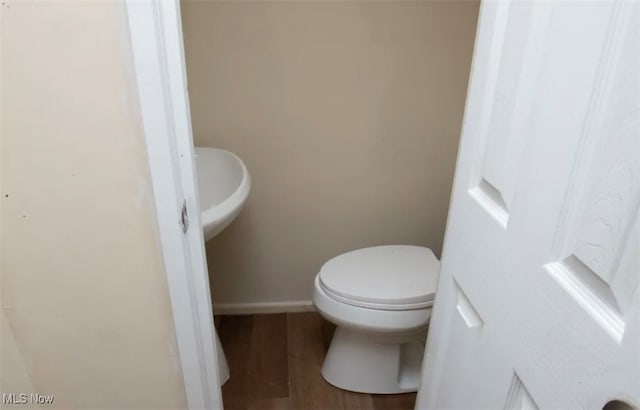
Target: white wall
{"points": [[85, 306], [347, 115]]}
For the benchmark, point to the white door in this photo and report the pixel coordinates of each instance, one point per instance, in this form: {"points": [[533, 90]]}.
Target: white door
{"points": [[538, 301]]}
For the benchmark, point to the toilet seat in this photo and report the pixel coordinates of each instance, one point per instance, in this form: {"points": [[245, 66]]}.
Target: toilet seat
{"points": [[392, 277], [381, 321]]}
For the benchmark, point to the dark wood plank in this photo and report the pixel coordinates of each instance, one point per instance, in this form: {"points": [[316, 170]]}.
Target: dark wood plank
{"points": [[309, 391], [406, 401], [268, 363], [278, 403], [236, 338], [357, 401]]}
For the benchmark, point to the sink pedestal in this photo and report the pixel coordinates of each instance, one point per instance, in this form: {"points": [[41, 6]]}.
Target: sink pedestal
{"points": [[223, 188], [223, 366]]}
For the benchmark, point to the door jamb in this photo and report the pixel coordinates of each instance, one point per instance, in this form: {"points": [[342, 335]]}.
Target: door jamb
{"points": [[160, 79]]}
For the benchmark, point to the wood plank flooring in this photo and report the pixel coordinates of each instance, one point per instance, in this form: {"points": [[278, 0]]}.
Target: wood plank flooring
{"points": [[275, 363]]}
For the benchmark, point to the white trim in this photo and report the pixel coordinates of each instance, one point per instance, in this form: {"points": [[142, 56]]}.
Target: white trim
{"points": [[265, 307], [157, 47]]}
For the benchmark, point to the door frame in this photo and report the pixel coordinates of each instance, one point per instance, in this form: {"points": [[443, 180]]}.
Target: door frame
{"points": [[159, 72]]}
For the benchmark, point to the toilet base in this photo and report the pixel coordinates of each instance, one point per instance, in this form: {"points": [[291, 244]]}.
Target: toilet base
{"points": [[362, 363]]}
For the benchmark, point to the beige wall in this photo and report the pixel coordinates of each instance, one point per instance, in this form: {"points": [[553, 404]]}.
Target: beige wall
{"points": [[347, 115], [85, 306]]}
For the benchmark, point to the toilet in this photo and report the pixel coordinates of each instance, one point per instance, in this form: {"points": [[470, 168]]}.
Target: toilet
{"points": [[380, 300]]}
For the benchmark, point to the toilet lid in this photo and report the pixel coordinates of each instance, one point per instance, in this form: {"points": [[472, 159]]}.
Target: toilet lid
{"points": [[383, 277]]}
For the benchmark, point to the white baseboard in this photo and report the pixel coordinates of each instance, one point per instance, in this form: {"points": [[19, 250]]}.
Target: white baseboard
{"points": [[266, 307]]}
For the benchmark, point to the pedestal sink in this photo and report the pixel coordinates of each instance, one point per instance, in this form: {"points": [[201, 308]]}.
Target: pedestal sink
{"points": [[223, 187]]}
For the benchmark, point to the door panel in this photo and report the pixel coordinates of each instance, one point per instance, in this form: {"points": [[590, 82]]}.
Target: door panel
{"points": [[537, 305], [505, 111]]}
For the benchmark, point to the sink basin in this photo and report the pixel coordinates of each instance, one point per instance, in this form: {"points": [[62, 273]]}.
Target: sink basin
{"points": [[223, 186]]}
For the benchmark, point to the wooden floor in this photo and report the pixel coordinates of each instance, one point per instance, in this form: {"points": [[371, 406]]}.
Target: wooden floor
{"points": [[275, 363]]}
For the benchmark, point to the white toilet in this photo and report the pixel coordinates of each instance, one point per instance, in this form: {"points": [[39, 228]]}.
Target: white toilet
{"points": [[380, 298]]}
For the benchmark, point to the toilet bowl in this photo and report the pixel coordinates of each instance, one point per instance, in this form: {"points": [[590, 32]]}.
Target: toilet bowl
{"points": [[380, 299]]}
